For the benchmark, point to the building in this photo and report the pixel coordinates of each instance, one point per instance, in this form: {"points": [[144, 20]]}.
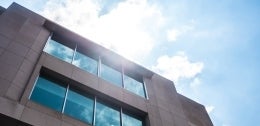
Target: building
{"points": [[50, 76]]}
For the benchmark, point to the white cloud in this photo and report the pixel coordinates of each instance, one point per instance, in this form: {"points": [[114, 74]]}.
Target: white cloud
{"points": [[126, 29], [210, 108], [195, 83], [177, 67], [174, 33]]}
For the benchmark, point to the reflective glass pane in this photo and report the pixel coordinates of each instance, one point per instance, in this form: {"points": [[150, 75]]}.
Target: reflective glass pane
{"points": [[48, 93], [79, 107], [134, 86], [106, 116], [60, 51], [131, 121], [86, 63], [111, 75]]}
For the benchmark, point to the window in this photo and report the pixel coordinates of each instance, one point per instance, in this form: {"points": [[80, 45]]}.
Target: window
{"points": [[107, 70], [76, 104], [60, 51], [111, 75], [106, 116], [134, 86], [131, 121], [86, 63], [49, 93], [79, 107]]}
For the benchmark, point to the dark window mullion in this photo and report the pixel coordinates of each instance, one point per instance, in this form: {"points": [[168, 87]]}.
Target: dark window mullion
{"points": [[121, 117]]}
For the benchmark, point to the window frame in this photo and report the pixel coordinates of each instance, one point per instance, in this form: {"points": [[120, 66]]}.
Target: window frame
{"points": [[96, 99], [102, 59]]}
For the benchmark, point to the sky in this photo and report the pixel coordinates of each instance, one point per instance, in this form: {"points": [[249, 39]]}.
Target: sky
{"points": [[209, 48]]}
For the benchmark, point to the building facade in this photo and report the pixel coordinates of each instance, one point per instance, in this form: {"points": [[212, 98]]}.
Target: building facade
{"points": [[50, 76]]}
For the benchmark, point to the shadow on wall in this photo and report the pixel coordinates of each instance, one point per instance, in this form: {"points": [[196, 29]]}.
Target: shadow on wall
{"points": [[2, 10]]}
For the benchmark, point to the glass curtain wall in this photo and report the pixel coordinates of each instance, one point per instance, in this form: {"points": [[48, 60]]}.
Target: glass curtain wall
{"points": [[55, 95], [49, 93], [79, 106], [131, 121], [91, 65], [134, 86], [86, 63], [59, 50], [111, 75]]}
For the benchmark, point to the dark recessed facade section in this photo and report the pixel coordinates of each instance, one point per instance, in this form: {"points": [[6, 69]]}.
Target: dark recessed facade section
{"points": [[62, 95], [106, 67], [2, 10], [9, 121]]}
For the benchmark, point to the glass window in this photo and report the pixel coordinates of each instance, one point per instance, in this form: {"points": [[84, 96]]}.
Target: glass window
{"points": [[134, 86], [49, 93], [79, 107], [60, 51], [131, 121], [106, 116], [86, 63], [111, 75]]}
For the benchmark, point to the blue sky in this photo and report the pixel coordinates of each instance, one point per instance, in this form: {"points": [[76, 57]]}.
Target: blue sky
{"points": [[210, 49]]}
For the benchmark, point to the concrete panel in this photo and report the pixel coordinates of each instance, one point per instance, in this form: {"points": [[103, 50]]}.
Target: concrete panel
{"points": [[17, 48], [175, 110], [179, 121], [110, 89], [73, 121], [20, 79], [30, 84], [66, 124], [167, 122], [134, 100], [153, 111], [50, 121], [85, 78], [163, 88], [11, 23], [7, 72], [152, 100], [4, 86], [141, 103], [165, 115], [14, 92], [28, 34], [33, 17], [155, 121], [43, 109], [58, 65], [1, 51], [41, 40], [27, 67], [10, 108], [195, 112], [32, 56], [33, 117], [11, 59], [4, 41]]}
